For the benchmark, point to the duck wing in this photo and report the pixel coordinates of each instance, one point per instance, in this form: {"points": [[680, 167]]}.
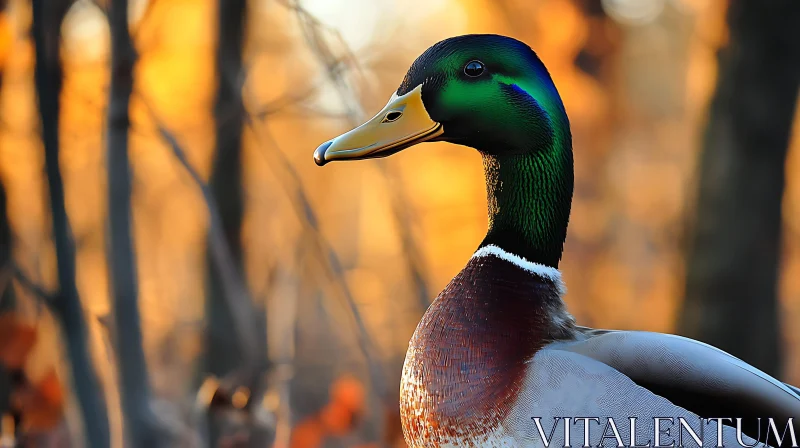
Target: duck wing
{"points": [[696, 376], [564, 390]]}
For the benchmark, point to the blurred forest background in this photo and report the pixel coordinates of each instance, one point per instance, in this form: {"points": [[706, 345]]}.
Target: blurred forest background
{"points": [[176, 271]]}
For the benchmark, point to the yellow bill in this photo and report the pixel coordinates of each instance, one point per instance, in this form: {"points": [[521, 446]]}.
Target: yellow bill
{"points": [[403, 122]]}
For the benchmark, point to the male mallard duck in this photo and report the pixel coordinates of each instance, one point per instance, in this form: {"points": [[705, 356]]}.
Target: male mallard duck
{"points": [[497, 360]]}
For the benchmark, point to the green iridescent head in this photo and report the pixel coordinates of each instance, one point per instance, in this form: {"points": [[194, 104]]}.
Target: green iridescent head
{"points": [[486, 91], [492, 93], [489, 92]]}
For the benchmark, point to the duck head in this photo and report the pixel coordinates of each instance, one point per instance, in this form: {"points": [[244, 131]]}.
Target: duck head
{"points": [[491, 93]]}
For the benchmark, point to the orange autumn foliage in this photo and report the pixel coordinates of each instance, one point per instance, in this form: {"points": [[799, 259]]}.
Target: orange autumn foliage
{"points": [[39, 403], [337, 418], [16, 341]]}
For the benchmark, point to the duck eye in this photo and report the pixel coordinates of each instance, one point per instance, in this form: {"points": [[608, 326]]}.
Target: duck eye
{"points": [[392, 116], [474, 68]]}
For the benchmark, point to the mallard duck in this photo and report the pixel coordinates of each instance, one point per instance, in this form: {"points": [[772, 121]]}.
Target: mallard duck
{"points": [[497, 360]]}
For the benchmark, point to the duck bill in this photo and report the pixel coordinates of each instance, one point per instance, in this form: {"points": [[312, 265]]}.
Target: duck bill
{"points": [[403, 122]]}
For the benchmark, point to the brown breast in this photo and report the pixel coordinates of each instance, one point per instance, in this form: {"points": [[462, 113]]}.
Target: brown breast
{"points": [[467, 359]]}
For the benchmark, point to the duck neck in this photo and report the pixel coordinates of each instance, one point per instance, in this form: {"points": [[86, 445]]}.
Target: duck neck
{"points": [[529, 198]]}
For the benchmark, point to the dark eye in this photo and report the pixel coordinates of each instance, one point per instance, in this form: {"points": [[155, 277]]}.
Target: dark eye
{"points": [[474, 68]]}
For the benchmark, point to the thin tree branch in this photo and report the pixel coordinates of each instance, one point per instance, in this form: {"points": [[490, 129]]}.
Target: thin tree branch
{"points": [[283, 102], [40, 293], [335, 70], [327, 256], [233, 285]]}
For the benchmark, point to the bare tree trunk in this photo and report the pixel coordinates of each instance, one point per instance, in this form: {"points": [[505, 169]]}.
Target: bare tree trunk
{"points": [[7, 301], [47, 18], [141, 425], [224, 354], [733, 260], [6, 293]]}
